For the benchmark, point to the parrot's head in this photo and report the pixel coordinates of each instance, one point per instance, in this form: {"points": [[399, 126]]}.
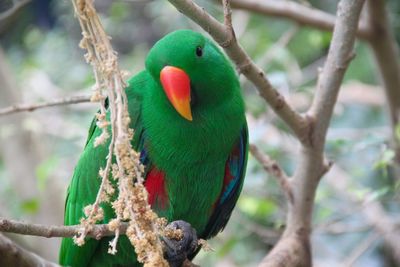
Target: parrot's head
{"points": [[192, 72]]}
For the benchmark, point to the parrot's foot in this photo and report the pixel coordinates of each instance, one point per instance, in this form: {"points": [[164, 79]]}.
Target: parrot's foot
{"points": [[177, 251]]}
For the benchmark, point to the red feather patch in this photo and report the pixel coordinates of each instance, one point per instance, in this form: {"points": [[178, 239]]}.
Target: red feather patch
{"points": [[228, 177], [155, 186]]}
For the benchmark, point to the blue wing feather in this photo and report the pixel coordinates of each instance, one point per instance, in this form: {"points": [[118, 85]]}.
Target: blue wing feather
{"points": [[235, 168], [236, 164]]}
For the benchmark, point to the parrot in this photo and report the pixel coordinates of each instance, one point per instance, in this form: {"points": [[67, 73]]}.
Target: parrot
{"points": [[188, 116]]}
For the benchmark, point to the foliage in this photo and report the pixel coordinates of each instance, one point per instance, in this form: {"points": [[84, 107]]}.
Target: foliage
{"points": [[47, 63]]}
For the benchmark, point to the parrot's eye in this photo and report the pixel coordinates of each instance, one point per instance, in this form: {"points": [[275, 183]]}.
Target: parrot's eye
{"points": [[199, 51]]}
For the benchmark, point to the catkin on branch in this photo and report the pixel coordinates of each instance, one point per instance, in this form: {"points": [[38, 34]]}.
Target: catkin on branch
{"points": [[131, 203]]}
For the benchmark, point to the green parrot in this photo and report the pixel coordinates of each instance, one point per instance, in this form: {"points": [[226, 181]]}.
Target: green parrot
{"points": [[190, 128]]}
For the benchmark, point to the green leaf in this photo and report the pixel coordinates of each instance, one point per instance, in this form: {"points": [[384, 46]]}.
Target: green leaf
{"points": [[119, 11], [397, 186], [324, 213], [227, 247], [30, 206], [360, 193], [376, 194], [385, 160], [256, 207], [44, 170], [397, 132]]}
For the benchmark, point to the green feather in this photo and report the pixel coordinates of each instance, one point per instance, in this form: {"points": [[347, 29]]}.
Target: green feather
{"points": [[191, 154]]}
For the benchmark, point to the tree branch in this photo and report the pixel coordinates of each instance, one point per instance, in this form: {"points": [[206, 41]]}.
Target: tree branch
{"points": [[339, 56], [97, 232], [359, 250], [31, 107], [387, 54], [226, 4], [12, 254], [312, 166], [21, 256], [384, 225], [297, 123], [376, 31], [296, 12], [17, 5], [294, 247]]}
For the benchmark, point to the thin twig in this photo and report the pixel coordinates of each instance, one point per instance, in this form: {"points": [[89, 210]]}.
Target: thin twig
{"points": [[341, 228], [301, 14], [17, 227], [282, 42], [272, 167], [17, 5], [56, 102], [269, 235], [226, 4], [372, 210], [188, 263], [384, 225], [359, 250]]}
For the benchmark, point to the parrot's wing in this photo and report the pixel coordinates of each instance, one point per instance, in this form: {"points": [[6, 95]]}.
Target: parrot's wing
{"points": [[85, 182], [235, 169]]}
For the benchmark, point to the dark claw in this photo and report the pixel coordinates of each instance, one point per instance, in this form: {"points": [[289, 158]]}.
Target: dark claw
{"points": [[177, 251]]}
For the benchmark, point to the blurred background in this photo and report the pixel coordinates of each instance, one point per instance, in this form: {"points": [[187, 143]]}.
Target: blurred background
{"points": [[40, 60]]}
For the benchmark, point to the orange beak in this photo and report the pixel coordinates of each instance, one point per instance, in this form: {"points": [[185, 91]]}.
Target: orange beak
{"points": [[176, 84]]}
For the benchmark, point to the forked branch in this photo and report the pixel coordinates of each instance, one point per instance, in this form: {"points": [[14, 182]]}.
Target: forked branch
{"points": [[294, 249]]}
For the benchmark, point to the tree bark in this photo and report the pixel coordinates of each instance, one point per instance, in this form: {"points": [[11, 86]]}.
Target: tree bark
{"points": [[294, 248], [386, 52], [13, 255]]}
